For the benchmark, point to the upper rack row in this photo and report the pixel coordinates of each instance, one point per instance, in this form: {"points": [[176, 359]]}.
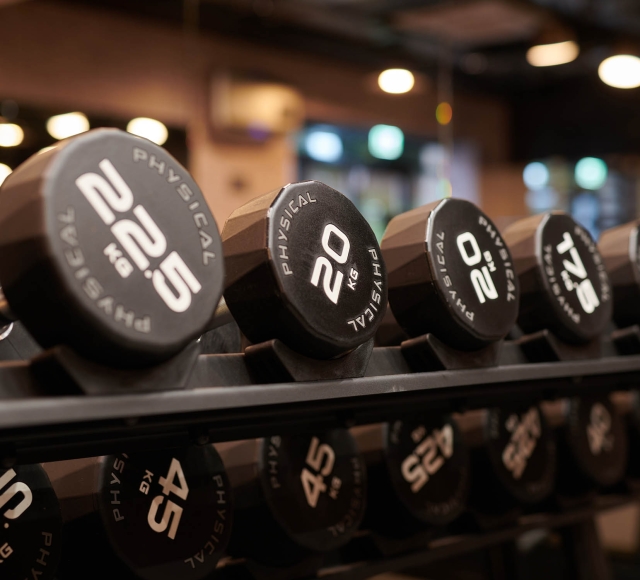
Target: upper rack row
{"points": [[108, 248]]}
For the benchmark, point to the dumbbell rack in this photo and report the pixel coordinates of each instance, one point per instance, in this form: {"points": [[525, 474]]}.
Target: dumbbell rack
{"points": [[47, 416]]}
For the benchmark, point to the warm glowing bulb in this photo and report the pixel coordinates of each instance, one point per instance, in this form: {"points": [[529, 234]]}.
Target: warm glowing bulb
{"points": [[11, 135], [67, 125], [553, 54], [621, 71], [396, 81], [444, 113], [149, 129], [5, 170]]}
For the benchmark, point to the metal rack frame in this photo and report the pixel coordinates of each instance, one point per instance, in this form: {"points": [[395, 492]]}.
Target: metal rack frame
{"points": [[36, 426]]}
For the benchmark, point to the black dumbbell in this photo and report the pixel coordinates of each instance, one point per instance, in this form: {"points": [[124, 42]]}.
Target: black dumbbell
{"points": [[619, 249], [450, 274], [154, 515], [564, 286], [107, 245], [419, 474], [513, 461], [296, 496], [30, 524], [303, 266], [592, 446]]}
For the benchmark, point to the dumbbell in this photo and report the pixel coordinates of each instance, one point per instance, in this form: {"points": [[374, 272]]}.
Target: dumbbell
{"points": [[565, 289], [418, 472], [303, 266], [592, 446], [450, 274], [154, 515], [107, 245], [296, 496], [619, 249], [564, 285], [513, 456], [30, 524]]}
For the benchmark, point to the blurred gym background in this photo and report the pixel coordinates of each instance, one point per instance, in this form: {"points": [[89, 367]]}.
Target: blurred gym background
{"points": [[518, 105]]}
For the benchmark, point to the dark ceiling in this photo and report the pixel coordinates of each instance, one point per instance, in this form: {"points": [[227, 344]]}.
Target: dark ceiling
{"points": [[564, 109]]}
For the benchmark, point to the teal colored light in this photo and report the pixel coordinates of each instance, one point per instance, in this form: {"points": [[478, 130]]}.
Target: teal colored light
{"points": [[386, 142], [591, 173]]}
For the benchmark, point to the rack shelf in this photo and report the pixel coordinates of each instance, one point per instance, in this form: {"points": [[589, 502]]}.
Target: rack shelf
{"points": [[36, 425]]}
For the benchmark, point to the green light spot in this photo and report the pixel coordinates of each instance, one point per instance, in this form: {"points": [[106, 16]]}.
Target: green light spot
{"points": [[591, 173], [386, 142]]}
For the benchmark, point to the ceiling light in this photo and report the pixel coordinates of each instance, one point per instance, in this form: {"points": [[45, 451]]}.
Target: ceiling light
{"points": [[67, 125], [11, 135], [149, 129], [396, 81], [324, 146], [553, 54], [621, 71], [386, 142], [5, 170]]}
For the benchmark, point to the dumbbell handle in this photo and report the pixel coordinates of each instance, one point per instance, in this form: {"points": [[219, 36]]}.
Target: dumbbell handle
{"points": [[6, 316], [221, 316]]}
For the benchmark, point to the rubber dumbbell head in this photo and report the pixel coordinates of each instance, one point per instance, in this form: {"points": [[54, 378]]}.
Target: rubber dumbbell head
{"points": [[514, 462], [304, 267], [619, 249], [428, 464], [30, 524], [595, 445], [522, 450], [107, 245], [302, 496], [167, 514], [564, 286], [317, 494], [450, 274]]}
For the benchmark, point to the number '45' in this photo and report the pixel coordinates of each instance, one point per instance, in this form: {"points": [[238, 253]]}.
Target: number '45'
{"points": [[313, 483], [172, 512]]}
